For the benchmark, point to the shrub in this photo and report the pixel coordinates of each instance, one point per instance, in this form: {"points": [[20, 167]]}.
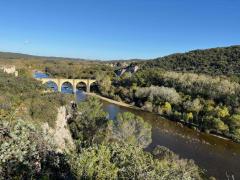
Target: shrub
{"points": [[28, 153]]}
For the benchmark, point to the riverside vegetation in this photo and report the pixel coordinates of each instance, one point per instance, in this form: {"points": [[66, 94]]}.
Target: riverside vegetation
{"points": [[104, 149], [185, 88]]}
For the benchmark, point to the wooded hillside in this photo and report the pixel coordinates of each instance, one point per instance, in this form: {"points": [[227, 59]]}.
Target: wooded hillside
{"points": [[215, 61]]}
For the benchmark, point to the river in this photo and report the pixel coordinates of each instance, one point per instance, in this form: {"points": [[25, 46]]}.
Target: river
{"points": [[215, 155]]}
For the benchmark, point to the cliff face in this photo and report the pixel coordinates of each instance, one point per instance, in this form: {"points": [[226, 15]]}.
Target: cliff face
{"points": [[61, 133]]}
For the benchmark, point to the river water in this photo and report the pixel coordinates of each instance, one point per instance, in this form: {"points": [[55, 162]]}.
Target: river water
{"points": [[216, 156]]}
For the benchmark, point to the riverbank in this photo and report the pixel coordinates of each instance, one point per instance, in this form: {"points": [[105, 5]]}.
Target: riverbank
{"points": [[123, 104], [114, 101]]}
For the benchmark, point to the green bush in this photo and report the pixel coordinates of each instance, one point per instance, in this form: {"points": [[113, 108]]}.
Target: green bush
{"points": [[27, 153]]}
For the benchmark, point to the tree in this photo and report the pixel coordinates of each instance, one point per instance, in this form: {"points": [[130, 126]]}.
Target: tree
{"points": [[222, 112], [167, 108], [87, 120], [236, 133], [94, 163], [193, 106], [234, 121], [219, 125], [105, 82], [130, 129], [234, 125], [188, 117]]}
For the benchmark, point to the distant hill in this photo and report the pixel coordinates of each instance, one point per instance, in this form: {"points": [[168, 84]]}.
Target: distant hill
{"points": [[10, 55], [215, 61]]}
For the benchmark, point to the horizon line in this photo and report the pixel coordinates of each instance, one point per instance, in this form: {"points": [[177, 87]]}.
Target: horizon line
{"points": [[122, 59]]}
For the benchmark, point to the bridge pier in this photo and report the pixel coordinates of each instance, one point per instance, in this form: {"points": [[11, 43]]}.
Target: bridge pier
{"points": [[59, 87], [74, 89], [88, 88]]}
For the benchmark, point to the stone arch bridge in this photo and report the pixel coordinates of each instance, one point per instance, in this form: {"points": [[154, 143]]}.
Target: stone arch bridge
{"points": [[74, 82]]}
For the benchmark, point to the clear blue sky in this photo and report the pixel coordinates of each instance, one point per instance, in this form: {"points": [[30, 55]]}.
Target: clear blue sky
{"points": [[117, 29]]}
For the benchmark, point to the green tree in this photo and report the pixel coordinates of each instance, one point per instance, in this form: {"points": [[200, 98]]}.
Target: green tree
{"points": [[234, 125], [94, 163], [219, 125], [105, 82], [130, 129], [234, 121], [87, 120]]}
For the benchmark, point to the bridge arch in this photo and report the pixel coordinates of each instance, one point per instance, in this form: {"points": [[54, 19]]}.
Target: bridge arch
{"points": [[64, 81], [93, 87], [81, 85], [67, 86], [50, 80], [52, 84]]}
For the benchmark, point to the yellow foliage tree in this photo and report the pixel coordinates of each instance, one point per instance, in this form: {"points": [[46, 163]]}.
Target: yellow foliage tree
{"points": [[167, 108], [222, 112], [189, 116]]}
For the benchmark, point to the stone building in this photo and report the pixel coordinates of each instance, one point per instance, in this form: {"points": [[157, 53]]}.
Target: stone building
{"points": [[9, 69]]}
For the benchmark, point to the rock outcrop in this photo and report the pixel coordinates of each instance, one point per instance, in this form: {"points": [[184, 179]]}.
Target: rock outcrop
{"points": [[61, 134]]}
